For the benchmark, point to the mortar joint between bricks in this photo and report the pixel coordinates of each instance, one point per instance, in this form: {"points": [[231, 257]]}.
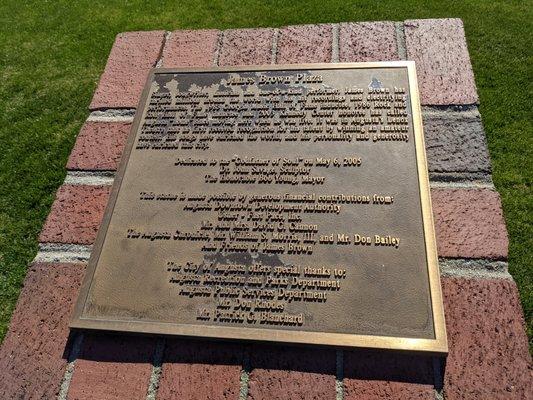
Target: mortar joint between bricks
{"points": [[275, 38], [218, 49], [339, 375], [157, 368], [450, 107], [245, 373], [75, 352], [461, 180], [438, 378], [160, 57], [335, 44], [451, 111], [400, 40], [474, 268], [112, 115], [92, 178], [62, 253]]}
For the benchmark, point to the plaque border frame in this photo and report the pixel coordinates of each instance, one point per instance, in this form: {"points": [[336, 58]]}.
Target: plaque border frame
{"points": [[438, 345]]}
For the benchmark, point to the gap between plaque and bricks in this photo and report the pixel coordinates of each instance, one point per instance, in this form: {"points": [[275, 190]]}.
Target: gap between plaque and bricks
{"points": [[488, 356]]}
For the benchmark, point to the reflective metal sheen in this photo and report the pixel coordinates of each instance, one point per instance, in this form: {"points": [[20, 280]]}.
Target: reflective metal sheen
{"points": [[277, 203]]}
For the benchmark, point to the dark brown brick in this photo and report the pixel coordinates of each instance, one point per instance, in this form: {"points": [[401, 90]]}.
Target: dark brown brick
{"points": [[469, 223], [132, 56], [488, 356], [304, 44], [367, 41], [246, 47], [76, 214], [455, 142], [99, 146], [186, 48], [280, 372], [200, 370], [33, 355], [112, 367], [438, 46], [387, 375]]}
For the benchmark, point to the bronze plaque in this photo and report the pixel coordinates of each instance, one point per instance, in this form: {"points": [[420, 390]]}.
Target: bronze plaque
{"points": [[275, 203]]}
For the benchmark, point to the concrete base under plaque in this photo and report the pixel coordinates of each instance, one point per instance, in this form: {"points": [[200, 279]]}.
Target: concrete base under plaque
{"points": [[488, 351]]}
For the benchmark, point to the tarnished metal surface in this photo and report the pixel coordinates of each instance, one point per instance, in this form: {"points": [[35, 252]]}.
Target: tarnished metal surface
{"points": [[284, 204]]}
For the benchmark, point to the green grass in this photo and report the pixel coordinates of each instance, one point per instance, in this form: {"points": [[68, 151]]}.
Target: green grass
{"points": [[53, 52]]}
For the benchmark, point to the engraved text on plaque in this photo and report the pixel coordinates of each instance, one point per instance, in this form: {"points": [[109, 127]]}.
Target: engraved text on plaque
{"points": [[285, 204]]}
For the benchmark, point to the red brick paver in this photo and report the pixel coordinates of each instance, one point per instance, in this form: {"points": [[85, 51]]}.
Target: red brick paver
{"points": [[489, 356], [132, 56], [304, 44], [281, 372], [367, 41], [76, 214], [385, 375], [99, 146], [200, 370], [438, 46], [112, 367], [190, 48], [469, 223], [34, 355], [246, 47]]}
